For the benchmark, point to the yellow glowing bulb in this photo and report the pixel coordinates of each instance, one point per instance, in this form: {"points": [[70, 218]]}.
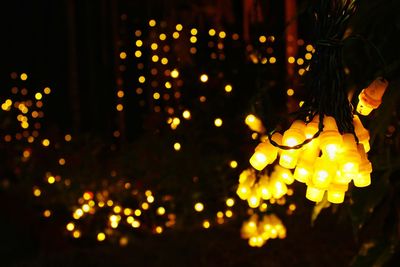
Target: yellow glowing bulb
{"points": [[135, 224], [160, 210], [212, 32], [300, 61], [61, 161], [70, 226], [122, 55], [272, 60], [206, 224], [262, 39], [290, 92], [86, 208], [314, 194], [289, 158], [154, 46], [175, 35], [233, 164], [175, 73], [164, 61], [259, 160], [76, 234], [51, 179], [150, 199], [301, 174], [253, 201], [332, 150], [37, 192], [24, 76], [156, 95], [45, 142], [222, 34], [199, 207], [193, 39], [138, 212], [204, 78], [178, 27], [193, 31], [47, 90], [218, 122], [87, 195], [228, 213], [38, 96], [101, 237], [186, 114], [138, 53], [47, 213], [119, 107], [228, 88], [309, 48], [141, 79], [139, 43], [230, 202], [159, 229], [177, 146], [336, 193], [162, 36], [152, 23]]}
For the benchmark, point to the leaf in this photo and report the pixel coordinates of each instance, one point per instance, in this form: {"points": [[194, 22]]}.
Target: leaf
{"points": [[318, 208], [374, 253], [365, 200]]}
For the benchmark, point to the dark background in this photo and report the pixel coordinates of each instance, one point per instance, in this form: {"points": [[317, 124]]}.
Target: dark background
{"points": [[73, 47]]}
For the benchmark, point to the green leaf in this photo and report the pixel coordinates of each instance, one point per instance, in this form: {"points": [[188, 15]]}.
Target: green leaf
{"points": [[365, 200], [318, 208], [374, 253]]}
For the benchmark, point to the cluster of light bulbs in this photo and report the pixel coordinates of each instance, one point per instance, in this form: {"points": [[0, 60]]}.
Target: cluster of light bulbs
{"points": [[266, 188], [326, 164], [258, 232]]}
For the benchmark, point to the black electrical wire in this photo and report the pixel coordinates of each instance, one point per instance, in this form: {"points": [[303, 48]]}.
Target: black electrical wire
{"points": [[326, 73]]}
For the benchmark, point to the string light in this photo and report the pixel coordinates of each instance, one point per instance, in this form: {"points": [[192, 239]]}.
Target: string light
{"points": [[370, 98], [259, 232], [199, 207], [218, 122], [204, 78]]}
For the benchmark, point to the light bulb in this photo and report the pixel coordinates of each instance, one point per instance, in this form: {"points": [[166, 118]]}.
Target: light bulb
{"points": [[259, 160], [336, 193], [279, 188], [330, 138], [312, 127], [265, 153], [314, 194], [363, 177], [253, 200], [295, 134], [371, 97], [350, 158], [263, 190], [303, 172], [323, 172], [246, 181], [288, 158], [361, 133], [284, 174], [254, 123], [243, 191]]}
